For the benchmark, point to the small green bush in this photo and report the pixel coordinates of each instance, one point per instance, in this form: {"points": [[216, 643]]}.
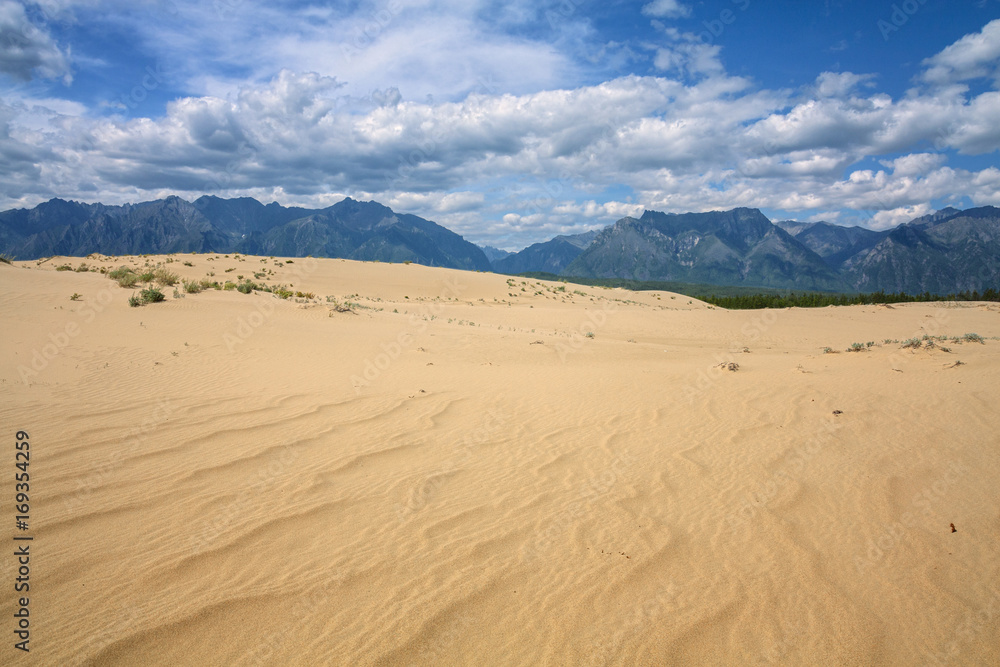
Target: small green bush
{"points": [[914, 343], [147, 277], [973, 338], [75, 297], [64, 267], [192, 286], [135, 301], [856, 347], [152, 295], [246, 287], [5, 259], [83, 268]]}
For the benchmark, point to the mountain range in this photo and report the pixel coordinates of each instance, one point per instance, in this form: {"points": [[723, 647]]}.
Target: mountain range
{"points": [[349, 229], [945, 252]]}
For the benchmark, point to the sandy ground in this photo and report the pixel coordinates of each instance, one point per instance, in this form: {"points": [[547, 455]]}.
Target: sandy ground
{"points": [[456, 473]]}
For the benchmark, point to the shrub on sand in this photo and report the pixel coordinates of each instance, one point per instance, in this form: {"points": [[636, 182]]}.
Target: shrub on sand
{"points": [[165, 278], [152, 295]]}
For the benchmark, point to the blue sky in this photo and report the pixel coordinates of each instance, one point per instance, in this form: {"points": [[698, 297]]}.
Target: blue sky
{"points": [[508, 122]]}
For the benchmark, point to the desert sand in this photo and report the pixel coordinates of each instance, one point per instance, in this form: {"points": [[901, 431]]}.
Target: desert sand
{"points": [[465, 468]]}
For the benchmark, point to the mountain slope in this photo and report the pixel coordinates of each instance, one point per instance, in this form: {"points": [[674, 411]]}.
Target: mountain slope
{"points": [[349, 229], [551, 256], [941, 254], [738, 247]]}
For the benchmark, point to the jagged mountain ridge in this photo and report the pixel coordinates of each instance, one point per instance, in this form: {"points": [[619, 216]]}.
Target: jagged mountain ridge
{"points": [[550, 256], [348, 229], [737, 247]]}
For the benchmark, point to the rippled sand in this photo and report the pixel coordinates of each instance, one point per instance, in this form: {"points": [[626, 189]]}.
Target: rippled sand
{"points": [[456, 473]]}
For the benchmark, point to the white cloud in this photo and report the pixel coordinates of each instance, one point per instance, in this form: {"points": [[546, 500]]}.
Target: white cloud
{"points": [[666, 9], [517, 167], [841, 84], [27, 50], [897, 216], [915, 164], [972, 57]]}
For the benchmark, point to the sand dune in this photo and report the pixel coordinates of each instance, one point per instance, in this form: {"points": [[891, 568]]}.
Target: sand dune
{"points": [[456, 473]]}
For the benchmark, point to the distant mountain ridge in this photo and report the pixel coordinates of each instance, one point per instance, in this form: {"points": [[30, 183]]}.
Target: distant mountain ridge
{"points": [[551, 256], [348, 229], [945, 252], [949, 251], [734, 247]]}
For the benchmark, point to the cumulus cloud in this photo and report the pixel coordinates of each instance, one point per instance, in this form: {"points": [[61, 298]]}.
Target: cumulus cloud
{"points": [[28, 51], [972, 57], [514, 168]]}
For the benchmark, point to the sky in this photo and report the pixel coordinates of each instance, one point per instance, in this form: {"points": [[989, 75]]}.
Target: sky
{"points": [[510, 121]]}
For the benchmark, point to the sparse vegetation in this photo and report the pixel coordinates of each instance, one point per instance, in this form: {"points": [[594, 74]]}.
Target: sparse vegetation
{"points": [[973, 338], [192, 287], [345, 307], [75, 297], [5, 259], [124, 276], [64, 267], [165, 278]]}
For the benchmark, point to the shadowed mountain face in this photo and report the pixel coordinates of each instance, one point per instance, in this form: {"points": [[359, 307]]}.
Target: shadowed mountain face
{"points": [[940, 254], [834, 243], [738, 247], [494, 254], [551, 256], [349, 229]]}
